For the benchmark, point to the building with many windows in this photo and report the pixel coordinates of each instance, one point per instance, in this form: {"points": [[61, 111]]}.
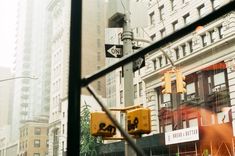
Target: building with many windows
{"points": [[92, 60], [199, 121], [34, 138], [31, 64]]}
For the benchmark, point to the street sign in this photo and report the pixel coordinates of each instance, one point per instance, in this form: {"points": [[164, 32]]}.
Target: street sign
{"points": [[114, 51], [139, 63]]}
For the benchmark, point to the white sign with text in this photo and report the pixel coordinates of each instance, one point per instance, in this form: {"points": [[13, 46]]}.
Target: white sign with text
{"points": [[182, 135]]}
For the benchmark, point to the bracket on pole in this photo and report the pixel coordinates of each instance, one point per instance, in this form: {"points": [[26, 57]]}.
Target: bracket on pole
{"points": [[126, 108]]}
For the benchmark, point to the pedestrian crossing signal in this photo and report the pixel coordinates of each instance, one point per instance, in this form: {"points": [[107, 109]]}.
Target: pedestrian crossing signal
{"points": [[101, 125]]}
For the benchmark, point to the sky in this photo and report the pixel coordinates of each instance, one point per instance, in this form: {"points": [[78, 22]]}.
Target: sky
{"points": [[8, 13]]}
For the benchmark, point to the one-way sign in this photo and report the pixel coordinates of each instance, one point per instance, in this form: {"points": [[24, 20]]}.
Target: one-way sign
{"points": [[114, 51]]}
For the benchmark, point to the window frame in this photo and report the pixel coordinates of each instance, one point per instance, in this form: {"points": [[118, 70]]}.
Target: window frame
{"points": [[151, 18], [161, 12], [200, 10], [37, 144], [37, 131]]}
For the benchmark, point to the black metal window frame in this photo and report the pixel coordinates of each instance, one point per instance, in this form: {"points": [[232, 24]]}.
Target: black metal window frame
{"points": [[76, 82]]}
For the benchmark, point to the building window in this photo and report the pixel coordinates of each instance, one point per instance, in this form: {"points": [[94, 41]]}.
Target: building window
{"points": [[175, 25], [212, 35], [191, 91], [163, 32], [216, 82], [153, 37], [135, 91], [63, 128], [160, 61], [154, 64], [98, 29], [220, 32], [37, 131], [36, 154], [203, 38], [161, 12], [36, 143], [120, 77], [190, 44], [98, 56], [141, 89], [151, 18], [166, 60], [184, 49], [62, 146], [186, 18], [215, 4], [168, 128], [219, 79], [177, 55], [201, 10], [98, 85], [173, 5], [193, 122], [98, 43], [121, 97]]}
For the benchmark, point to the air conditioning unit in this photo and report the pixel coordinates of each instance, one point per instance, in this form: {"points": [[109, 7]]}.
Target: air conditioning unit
{"points": [[219, 88], [165, 105]]}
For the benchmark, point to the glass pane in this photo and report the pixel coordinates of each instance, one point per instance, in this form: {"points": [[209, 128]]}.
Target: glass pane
{"points": [[190, 88], [193, 122], [166, 97], [34, 74], [219, 78]]}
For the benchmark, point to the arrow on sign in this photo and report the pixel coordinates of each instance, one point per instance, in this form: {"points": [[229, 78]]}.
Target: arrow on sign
{"points": [[114, 51]]}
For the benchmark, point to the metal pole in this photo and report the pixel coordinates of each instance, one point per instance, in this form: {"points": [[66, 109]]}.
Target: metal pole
{"points": [[74, 91], [127, 37]]}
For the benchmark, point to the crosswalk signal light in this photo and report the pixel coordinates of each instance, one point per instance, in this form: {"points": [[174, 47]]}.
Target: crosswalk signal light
{"points": [[101, 125], [180, 84], [139, 121], [166, 79]]}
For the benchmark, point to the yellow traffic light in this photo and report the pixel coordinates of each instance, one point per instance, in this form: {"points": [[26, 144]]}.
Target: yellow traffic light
{"points": [[166, 83], [101, 125], [180, 84], [139, 121]]}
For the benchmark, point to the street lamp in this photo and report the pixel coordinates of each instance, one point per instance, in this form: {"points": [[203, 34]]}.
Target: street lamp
{"points": [[19, 77]]}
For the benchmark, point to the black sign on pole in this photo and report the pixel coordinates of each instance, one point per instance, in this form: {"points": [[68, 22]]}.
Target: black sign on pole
{"points": [[138, 63], [113, 51]]}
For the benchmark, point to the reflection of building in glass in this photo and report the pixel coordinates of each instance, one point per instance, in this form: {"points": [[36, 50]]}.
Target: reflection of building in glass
{"points": [[6, 92], [206, 58], [32, 59], [92, 60]]}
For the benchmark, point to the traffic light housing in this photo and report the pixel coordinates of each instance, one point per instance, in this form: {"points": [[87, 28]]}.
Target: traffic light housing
{"points": [[139, 121], [166, 86], [180, 84], [101, 125]]}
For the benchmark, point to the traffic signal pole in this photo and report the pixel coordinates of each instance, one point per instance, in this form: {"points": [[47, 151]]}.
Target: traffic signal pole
{"points": [[127, 37]]}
